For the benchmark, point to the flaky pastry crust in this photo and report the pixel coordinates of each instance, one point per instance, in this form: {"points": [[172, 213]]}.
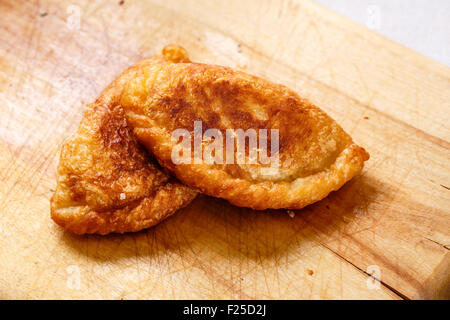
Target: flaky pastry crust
{"points": [[168, 92], [107, 182]]}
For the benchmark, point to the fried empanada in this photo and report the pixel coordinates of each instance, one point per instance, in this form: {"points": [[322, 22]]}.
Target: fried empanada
{"points": [[168, 92], [107, 182]]}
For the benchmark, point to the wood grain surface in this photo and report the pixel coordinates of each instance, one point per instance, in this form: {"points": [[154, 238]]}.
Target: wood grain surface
{"points": [[392, 221]]}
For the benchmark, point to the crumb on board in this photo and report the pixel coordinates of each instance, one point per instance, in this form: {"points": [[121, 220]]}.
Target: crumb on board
{"points": [[366, 118], [310, 272], [291, 213], [121, 2]]}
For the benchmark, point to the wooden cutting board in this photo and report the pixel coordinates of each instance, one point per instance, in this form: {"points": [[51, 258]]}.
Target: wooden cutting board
{"points": [[393, 221]]}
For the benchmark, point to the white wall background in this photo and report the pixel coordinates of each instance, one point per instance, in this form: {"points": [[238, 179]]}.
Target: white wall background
{"points": [[422, 25]]}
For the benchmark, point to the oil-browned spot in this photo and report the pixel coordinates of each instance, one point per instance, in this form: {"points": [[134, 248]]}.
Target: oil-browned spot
{"points": [[117, 136]]}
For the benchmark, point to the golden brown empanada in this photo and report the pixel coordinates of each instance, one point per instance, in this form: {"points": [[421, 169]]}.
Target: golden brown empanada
{"points": [[107, 182], [168, 92]]}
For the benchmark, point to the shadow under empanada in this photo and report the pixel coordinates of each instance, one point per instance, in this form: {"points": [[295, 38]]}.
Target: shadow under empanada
{"points": [[211, 226]]}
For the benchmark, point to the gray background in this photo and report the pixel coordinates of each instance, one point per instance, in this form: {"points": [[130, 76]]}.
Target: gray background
{"points": [[422, 25]]}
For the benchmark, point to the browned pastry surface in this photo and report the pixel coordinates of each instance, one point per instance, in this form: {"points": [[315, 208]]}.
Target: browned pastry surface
{"points": [[107, 182], [168, 92]]}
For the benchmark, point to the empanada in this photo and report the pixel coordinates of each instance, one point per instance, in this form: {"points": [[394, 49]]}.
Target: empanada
{"points": [[107, 182], [167, 93]]}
